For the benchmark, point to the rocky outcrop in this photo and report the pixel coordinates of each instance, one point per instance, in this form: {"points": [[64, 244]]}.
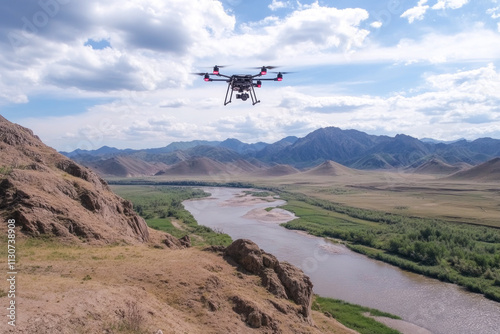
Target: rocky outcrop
{"points": [[280, 278], [48, 194], [174, 243], [252, 314]]}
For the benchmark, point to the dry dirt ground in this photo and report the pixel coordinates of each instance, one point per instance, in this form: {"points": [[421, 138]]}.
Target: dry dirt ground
{"points": [[139, 289]]}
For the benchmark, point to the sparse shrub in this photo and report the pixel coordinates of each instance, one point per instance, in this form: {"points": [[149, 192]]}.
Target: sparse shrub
{"points": [[132, 317], [5, 170]]}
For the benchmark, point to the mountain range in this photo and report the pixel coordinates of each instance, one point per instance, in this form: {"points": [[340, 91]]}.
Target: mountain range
{"points": [[350, 148]]}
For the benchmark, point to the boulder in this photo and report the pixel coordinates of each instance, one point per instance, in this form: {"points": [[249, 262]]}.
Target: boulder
{"points": [[280, 278], [174, 243]]}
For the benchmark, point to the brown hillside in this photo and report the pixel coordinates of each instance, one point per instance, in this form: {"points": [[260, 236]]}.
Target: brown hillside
{"points": [[47, 193], [125, 167], [485, 172], [141, 289], [436, 166], [329, 168], [195, 166], [277, 170], [242, 166]]}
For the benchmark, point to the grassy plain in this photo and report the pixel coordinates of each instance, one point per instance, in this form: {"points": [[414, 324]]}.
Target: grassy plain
{"points": [[162, 209]]}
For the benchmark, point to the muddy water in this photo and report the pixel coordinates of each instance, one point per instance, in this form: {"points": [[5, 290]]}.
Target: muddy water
{"points": [[337, 272]]}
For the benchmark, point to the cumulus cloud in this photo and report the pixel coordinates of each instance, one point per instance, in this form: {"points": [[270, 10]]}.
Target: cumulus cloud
{"points": [[311, 31], [150, 42]]}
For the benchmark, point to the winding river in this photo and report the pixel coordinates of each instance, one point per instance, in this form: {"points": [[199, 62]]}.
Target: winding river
{"points": [[337, 272]]}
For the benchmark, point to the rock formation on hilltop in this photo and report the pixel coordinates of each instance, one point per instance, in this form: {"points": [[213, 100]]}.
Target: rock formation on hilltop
{"points": [[47, 193], [280, 278]]}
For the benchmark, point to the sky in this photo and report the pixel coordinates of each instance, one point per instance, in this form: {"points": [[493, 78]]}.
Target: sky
{"points": [[84, 74]]}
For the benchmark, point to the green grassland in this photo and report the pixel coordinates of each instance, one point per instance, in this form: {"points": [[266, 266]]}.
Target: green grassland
{"points": [[351, 315], [160, 205]]}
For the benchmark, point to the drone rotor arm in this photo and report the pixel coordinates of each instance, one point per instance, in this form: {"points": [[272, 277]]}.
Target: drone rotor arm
{"points": [[225, 80]]}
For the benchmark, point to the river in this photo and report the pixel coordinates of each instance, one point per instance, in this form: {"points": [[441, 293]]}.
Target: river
{"points": [[337, 272]]}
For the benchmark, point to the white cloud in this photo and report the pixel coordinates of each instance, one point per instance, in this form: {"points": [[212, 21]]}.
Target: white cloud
{"points": [[151, 43], [275, 5], [310, 30], [452, 4], [476, 44], [494, 12], [417, 12], [376, 24]]}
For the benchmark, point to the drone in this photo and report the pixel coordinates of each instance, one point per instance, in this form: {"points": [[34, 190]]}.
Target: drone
{"points": [[243, 84]]}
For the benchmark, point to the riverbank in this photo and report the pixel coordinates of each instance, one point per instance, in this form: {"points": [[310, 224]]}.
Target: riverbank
{"points": [[467, 255]]}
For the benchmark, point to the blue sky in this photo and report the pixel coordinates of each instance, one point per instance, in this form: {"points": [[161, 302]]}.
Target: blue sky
{"points": [[83, 74]]}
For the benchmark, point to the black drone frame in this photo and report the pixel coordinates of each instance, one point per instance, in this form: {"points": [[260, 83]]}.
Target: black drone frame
{"points": [[242, 83]]}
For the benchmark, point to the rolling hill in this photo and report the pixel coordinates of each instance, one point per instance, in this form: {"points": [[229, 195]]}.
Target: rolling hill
{"points": [[276, 170], [434, 166], [125, 166], [329, 168], [485, 172]]}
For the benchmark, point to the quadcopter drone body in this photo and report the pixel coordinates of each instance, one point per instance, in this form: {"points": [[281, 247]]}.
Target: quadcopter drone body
{"points": [[242, 84]]}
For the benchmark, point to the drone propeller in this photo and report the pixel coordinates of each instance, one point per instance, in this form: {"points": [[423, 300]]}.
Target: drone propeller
{"points": [[279, 75], [267, 67], [217, 67], [263, 69], [205, 75]]}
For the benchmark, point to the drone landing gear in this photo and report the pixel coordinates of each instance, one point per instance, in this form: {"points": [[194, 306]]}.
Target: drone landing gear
{"points": [[243, 96], [229, 88], [253, 96]]}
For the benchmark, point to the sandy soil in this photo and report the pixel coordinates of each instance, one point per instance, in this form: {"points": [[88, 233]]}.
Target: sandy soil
{"points": [[276, 215], [246, 200]]}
